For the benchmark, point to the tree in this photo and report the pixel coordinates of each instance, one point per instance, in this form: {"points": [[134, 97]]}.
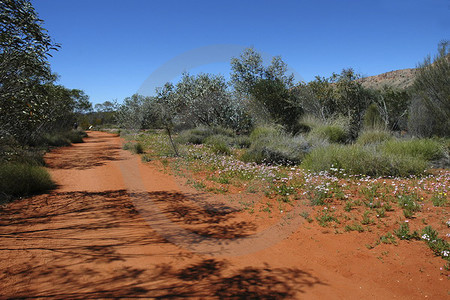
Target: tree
{"points": [[392, 105], [276, 99], [432, 88], [248, 69], [204, 100], [168, 108], [130, 114], [24, 50]]}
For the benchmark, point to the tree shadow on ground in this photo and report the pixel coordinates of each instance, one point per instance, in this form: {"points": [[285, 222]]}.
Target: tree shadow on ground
{"points": [[84, 158], [90, 245]]}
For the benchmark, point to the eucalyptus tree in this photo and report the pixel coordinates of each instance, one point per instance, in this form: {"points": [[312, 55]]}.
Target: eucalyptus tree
{"points": [[24, 50]]}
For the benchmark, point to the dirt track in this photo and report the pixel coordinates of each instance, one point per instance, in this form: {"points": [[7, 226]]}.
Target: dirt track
{"points": [[117, 228]]}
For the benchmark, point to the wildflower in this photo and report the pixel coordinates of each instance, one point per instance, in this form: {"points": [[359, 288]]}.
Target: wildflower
{"points": [[445, 253], [425, 237]]}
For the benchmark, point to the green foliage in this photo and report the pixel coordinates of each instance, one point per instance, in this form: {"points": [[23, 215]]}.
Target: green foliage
{"points": [[341, 95], [432, 90], [242, 141], [392, 105], [271, 146], [403, 232], [18, 179], [372, 118], [199, 135], [248, 69], [332, 133], [325, 218], [374, 136], [354, 227], [261, 132], [219, 144], [135, 148], [359, 160], [409, 205], [439, 199], [274, 96], [425, 149], [388, 239]]}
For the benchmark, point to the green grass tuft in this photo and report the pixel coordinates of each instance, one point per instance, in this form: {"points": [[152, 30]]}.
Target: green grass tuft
{"points": [[18, 179], [359, 160]]}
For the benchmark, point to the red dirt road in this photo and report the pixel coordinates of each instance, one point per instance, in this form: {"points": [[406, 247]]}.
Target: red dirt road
{"points": [[118, 228]]}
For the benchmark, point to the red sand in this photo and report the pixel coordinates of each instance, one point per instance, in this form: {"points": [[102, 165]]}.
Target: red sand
{"points": [[116, 227]]}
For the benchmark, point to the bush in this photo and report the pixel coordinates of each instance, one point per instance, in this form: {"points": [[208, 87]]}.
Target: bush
{"points": [[374, 136], [425, 149], [18, 179], [264, 131], [55, 140], [242, 141], [333, 133], [219, 144], [135, 148], [359, 160], [372, 118], [75, 136], [277, 149], [200, 134]]}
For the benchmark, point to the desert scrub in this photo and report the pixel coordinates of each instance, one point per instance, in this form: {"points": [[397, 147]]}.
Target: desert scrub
{"points": [[332, 133], [375, 136], [219, 144], [200, 134], [18, 179], [135, 148], [359, 160], [274, 147], [424, 149]]}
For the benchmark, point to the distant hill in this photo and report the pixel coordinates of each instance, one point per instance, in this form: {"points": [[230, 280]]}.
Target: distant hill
{"points": [[397, 79]]}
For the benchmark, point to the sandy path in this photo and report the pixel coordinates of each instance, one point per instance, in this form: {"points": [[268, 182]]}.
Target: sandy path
{"points": [[116, 228]]}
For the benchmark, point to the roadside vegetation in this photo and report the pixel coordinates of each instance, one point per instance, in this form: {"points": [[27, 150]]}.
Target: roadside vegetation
{"points": [[356, 156], [35, 112]]}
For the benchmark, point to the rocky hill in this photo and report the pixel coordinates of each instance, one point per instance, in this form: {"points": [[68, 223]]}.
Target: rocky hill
{"points": [[397, 79]]}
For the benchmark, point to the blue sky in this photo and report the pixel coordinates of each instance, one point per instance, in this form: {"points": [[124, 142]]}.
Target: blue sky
{"points": [[113, 49]]}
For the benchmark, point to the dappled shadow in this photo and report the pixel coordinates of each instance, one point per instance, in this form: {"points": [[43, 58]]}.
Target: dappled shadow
{"points": [[89, 245], [82, 158], [206, 220]]}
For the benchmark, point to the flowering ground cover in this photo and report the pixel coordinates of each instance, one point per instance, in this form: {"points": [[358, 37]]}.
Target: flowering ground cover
{"points": [[393, 210]]}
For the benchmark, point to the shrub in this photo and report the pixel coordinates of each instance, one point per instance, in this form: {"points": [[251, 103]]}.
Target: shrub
{"points": [[242, 141], [425, 149], [333, 133], [219, 144], [359, 160], [372, 118], [20, 179], [374, 136], [200, 134], [74, 136], [264, 131], [309, 122], [55, 140], [135, 148], [277, 149]]}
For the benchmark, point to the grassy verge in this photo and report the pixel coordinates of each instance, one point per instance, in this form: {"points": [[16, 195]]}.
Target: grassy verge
{"points": [[19, 179]]}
